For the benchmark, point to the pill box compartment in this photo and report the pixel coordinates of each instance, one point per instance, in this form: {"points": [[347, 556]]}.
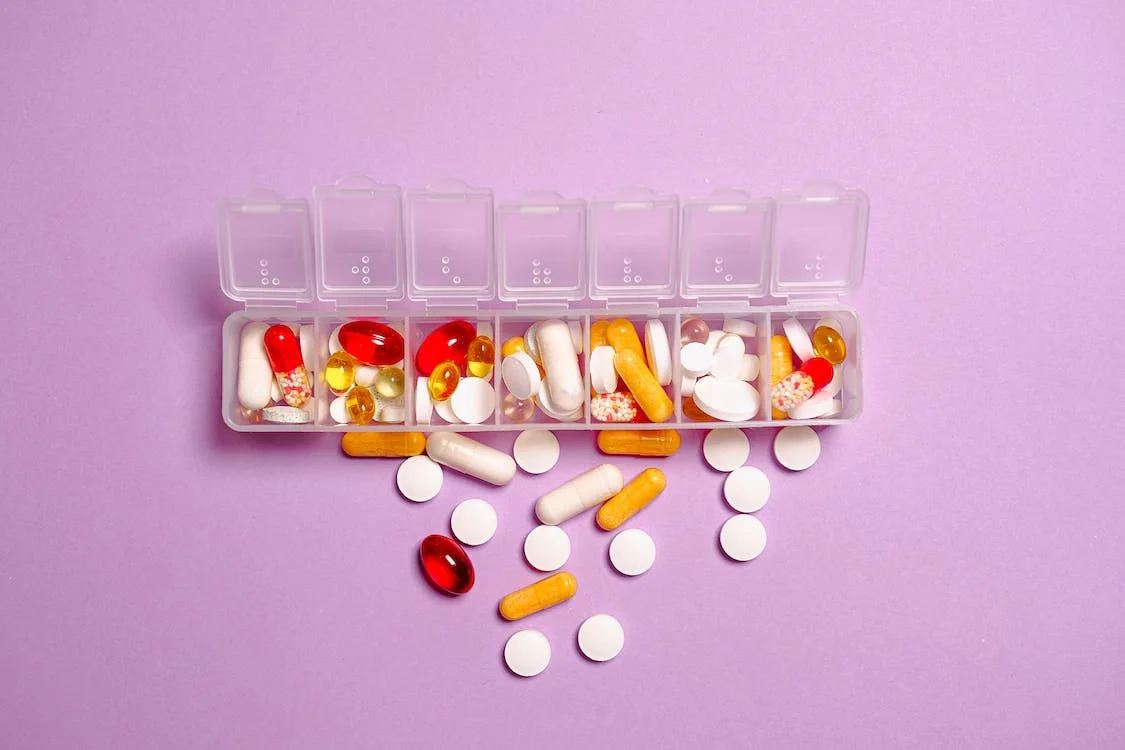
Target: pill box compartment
{"points": [[416, 259]]}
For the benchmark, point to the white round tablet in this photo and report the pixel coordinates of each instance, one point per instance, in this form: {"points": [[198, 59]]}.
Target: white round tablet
{"points": [[444, 410], [419, 478], [474, 401], [547, 548], [746, 489], [796, 448], [727, 364], [536, 451], [632, 552], [338, 410], [731, 343], [473, 522], [798, 339], [658, 350], [527, 653], [520, 375], [742, 537], [740, 327], [423, 404], [365, 375], [696, 359], [726, 400], [601, 637], [286, 415], [726, 449], [750, 369], [603, 376], [836, 384]]}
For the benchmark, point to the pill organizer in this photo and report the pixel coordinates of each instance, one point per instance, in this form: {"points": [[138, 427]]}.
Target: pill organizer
{"points": [[415, 258]]}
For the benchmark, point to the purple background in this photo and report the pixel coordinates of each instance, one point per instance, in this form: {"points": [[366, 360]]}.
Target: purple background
{"points": [[950, 573]]}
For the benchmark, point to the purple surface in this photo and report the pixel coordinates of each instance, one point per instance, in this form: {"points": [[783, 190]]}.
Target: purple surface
{"points": [[949, 575]]}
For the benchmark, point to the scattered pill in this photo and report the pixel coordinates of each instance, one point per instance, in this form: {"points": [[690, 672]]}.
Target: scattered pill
{"points": [[746, 489], [474, 401], [520, 375], [338, 410], [339, 372], [632, 552], [380, 444], [536, 451], [658, 352], [365, 375], [481, 357], [446, 564], [579, 494], [696, 359], [694, 330], [255, 376], [742, 537], [284, 353], [564, 377], [547, 548], [544, 593], [726, 449], [471, 457], [423, 404], [632, 499], [603, 377], [639, 442], [473, 522], [517, 410], [739, 327], [286, 415], [650, 396], [447, 343], [527, 653], [444, 410], [601, 637], [419, 479], [726, 400], [798, 339], [796, 448]]}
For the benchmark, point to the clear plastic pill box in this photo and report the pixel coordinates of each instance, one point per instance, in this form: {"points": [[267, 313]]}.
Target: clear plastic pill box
{"points": [[417, 258]]}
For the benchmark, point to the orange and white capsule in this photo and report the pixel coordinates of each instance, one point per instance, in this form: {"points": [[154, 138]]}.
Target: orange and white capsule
{"points": [[544, 593], [284, 352], [632, 499]]}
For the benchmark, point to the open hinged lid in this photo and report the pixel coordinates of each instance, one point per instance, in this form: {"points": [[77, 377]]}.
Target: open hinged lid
{"points": [[819, 241], [634, 242], [449, 244], [265, 248], [359, 243], [725, 243], [541, 249]]}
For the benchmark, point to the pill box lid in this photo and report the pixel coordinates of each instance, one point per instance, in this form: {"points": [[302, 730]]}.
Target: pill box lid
{"points": [[819, 240], [541, 248], [725, 245], [449, 244], [265, 248], [359, 241], [634, 246]]}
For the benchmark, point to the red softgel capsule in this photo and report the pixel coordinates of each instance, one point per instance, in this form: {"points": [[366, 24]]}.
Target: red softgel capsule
{"points": [[449, 342], [820, 370], [446, 564], [372, 343]]}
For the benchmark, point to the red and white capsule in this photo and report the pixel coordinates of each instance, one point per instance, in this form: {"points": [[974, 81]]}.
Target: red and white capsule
{"points": [[283, 349]]}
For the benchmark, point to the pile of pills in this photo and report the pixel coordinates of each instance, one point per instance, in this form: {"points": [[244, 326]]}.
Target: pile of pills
{"points": [[629, 378], [454, 364], [718, 371], [807, 388], [542, 368], [364, 373], [274, 384]]}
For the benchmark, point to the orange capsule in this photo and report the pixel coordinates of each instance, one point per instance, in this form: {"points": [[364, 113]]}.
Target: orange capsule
{"points": [[639, 442], [622, 336], [652, 399], [632, 499], [380, 444], [544, 593], [597, 334], [781, 364]]}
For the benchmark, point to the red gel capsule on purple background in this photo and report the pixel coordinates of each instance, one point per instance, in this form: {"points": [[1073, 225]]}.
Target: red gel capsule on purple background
{"points": [[446, 564], [449, 342], [372, 343]]}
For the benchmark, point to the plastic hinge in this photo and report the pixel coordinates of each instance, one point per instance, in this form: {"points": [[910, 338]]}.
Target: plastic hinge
{"points": [[642, 306], [812, 301], [287, 305], [452, 303], [732, 304], [544, 306]]}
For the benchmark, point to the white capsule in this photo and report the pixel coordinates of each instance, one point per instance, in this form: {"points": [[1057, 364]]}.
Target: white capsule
{"points": [[470, 457], [579, 494], [564, 378], [255, 376]]}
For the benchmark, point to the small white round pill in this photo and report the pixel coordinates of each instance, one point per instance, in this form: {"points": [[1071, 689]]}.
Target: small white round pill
{"points": [[365, 375], [474, 401], [445, 411], [798, 339], [731, 343], [750, 369], [473, 522], [527, 653], [601, 637], [632, 552], [740, 327], [520, 375], [727, 364], [603, 375], [536, 451], [742, 537], [423, 404], [746, 489], [419, 478], [726, 449], [696, 358], [547, 548], [551, 409], [338, 410], [796, 448]]}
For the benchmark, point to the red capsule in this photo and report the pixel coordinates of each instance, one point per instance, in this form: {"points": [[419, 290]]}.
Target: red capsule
{"points": [[449, 342], [372, 343], [446, 564], [283, 349]]}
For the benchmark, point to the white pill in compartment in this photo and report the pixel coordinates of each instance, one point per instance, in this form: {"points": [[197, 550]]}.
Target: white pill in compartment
{"points": [[750, 369], [799, 339], [659, 351], [423, 404], [739, 327], [603, 375], [474, 400], [564, 377], [444, 410], [365, 375], [520, 375], [255, 376], [338, 410], [726, 400], [696, 359]]}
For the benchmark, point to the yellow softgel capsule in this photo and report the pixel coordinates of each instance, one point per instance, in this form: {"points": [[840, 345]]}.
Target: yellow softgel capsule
{"points": [[828, 343], [481, 357], [443, 381], [390, 382], [622, 336], [360, 405], [652, 399], [513, 345], [639, 442], [339, 372], [781, 364], [383, 444], [632, 499], [597, 334], [544, 593]]}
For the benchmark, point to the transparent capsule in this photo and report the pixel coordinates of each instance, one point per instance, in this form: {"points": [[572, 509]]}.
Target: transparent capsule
{"points": [[517, 410], [694, 331], [390, 382]]}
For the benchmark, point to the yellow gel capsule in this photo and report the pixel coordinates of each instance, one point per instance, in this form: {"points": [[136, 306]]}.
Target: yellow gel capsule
{"points": [[694, 413], [339, 372], [390, 382], [443, 381], [652, 399], [546, 592], [597, 334], [632, 499], [639, 442], [828, 343], [781, 364], [481, 357], [383, 444], [622, 336], [360, 405], [513, 345]]}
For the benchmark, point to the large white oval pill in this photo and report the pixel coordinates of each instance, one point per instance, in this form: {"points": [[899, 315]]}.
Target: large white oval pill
{"points": [[474, 401], [536, 451], [796, 448], [520, 375], [473, 522], [798, 339], [547, 548], [740, 327], [742, 537], [419, 478], [696, 359], [658, 350], [423, 404], [603, 376], [746, 489], [726, 400], [601, 637], [632, 552], [726, 449], [527, 653]]}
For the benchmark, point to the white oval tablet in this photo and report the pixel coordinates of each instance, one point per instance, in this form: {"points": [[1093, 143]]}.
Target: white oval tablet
{"points": [[444, 410], [601, 637], [543, 399], [473, 522], [727, 364], [547, 548], [726, 449], [798, 339], [419, 478], [334, 340], [731, 343], [365, 375], [527, 653], [423, 404], [796, 448], [746, 489], [726, 400], [536, 451], [742, 537], [603, 375], [576, 335], [696, 358], [531, 342], [632, 552], [474, 401], [338, 410], [750, 369], [740, 327], [658, 350], [687, 385], [286, 415], [820, 405], [520, 375]]}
